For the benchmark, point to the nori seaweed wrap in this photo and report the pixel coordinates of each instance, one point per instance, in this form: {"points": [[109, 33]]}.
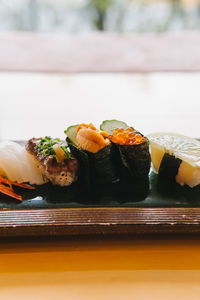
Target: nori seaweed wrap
{"points": [[136, 159], [87, 140], [131, 149], [102, 168]]}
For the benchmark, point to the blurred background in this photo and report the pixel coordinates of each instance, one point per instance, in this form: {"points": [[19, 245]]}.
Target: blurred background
{"points": [[69, 61], [75, 16]]}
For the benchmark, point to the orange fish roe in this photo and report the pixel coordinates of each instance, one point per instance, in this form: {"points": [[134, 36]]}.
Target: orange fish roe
{"points": [[127, 136]]}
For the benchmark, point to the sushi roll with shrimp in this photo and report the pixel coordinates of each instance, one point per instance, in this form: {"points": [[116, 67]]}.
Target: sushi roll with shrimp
{"points": [[95, 147], [131, 149]]}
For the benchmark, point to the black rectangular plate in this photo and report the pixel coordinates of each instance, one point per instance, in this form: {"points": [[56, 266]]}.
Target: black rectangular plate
{"points": [[152, 205]]}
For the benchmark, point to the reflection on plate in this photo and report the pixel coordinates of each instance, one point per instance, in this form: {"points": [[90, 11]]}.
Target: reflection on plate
{"points": [[151, 192]]}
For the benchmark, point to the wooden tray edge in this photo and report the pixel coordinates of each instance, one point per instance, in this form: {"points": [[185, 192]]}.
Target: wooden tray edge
{"points": [[103, 221]]}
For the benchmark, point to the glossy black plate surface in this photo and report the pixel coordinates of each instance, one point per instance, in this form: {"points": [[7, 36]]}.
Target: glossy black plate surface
{"points": [[152, 192]]}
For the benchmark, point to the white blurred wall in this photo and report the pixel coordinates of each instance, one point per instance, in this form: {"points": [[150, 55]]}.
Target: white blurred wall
{"points": [[44, 104]]}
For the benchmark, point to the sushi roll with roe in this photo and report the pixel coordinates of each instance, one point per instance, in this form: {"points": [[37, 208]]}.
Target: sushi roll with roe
{"points": [[131, 149]]}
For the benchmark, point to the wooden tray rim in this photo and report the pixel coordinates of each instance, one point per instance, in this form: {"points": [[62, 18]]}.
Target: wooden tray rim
{"points": [[106, 220]]}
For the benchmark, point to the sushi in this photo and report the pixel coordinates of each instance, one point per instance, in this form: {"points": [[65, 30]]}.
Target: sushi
{"points": [[97, 147], [131, 149], [54, 160], [176, 157], [17, 168], [17, 165]]}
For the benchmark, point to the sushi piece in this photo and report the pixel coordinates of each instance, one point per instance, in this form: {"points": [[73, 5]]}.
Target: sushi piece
{"points": [[17, 165], [176, 157], [89, 138], [98, 148], [54, 160], [132, 149]]}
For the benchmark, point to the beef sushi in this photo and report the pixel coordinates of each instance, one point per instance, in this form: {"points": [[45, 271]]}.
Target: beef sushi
{"points": [[98, 148], [54, 160], [132, 149]]}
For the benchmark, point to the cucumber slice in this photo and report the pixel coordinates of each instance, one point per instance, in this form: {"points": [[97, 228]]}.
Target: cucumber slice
{"points": [[110, 125], [71, 134]]}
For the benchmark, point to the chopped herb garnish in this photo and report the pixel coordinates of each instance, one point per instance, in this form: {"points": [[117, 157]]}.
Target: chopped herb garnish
{"points": [[45, 146]]}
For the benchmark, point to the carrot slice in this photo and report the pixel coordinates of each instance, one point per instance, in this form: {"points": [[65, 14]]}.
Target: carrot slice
{"points": [[23, 185], [9, 192], [6, 188], [6, 181]]}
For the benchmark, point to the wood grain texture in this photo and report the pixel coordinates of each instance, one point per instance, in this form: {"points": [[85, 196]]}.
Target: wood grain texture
{"points": [[84, 221]]}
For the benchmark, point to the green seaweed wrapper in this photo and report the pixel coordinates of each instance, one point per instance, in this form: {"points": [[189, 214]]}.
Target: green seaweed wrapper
{"points": [[95, 168], [135, 160], [102, 166]]}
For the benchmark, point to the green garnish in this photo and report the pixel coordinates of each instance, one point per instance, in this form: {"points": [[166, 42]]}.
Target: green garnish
{"points": [[66, 151], [45, 146]]}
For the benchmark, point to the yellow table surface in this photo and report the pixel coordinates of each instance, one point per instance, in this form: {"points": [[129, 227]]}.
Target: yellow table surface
{"points": [[137, 268]]}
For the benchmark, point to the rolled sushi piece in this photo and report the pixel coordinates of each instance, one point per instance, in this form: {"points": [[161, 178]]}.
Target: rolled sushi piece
{"points": [[176, 157], [54, 160], [131, 149], [98, 148]]}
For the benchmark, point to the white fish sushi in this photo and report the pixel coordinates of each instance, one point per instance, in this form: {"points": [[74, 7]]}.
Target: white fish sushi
{"points": [[17, 165]]}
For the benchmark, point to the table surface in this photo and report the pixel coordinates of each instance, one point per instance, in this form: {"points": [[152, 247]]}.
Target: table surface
{"points": [[139, 267], [157, 268]]}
